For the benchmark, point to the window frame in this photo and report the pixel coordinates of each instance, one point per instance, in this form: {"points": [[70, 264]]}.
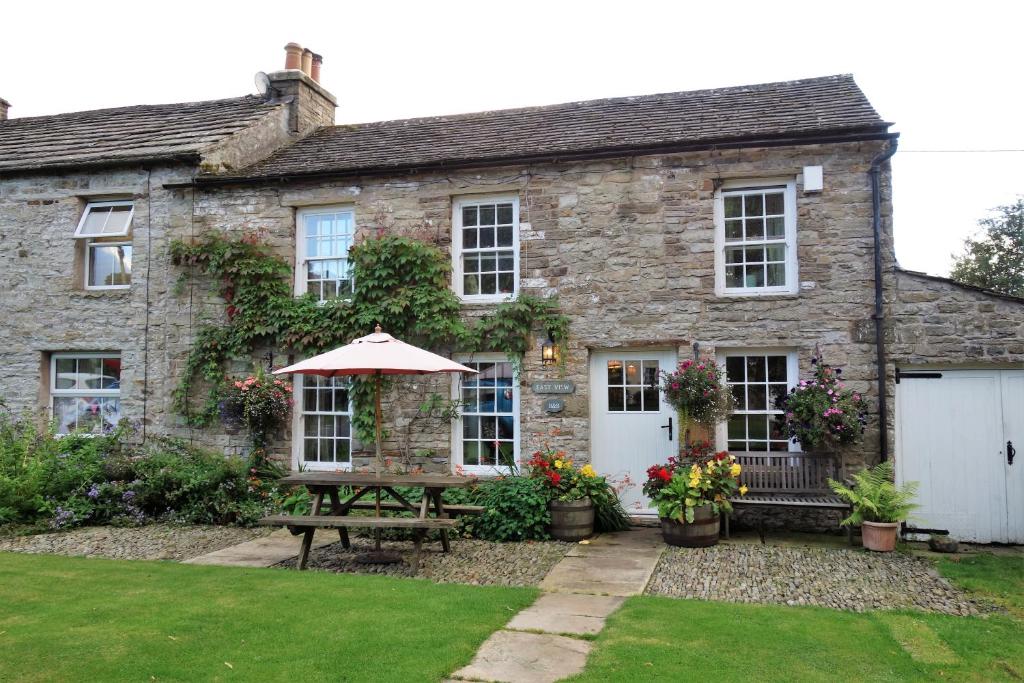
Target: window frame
{"points": [[301, 255], [457, 459], [94, 242], [788, 185], [792, 379], [53, 392], [299, 434], [638, 357], [458, 251], [89, 206]]}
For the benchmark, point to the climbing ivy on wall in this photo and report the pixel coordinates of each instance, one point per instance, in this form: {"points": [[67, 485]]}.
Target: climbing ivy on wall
{"points": [[400, 283]]}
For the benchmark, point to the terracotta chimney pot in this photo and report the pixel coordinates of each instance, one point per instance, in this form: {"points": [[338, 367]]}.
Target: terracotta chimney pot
{"points": [[307, 61], [293, 56], [317, 63]]}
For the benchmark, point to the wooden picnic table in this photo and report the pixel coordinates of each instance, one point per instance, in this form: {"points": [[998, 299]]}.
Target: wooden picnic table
{"points": [[429, 513]]}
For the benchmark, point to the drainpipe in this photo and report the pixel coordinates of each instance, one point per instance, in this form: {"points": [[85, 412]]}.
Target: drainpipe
{"points": [[879, 316]]}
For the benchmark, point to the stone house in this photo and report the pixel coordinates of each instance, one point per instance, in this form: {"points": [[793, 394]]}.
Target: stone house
{"points": [[745, 225]]}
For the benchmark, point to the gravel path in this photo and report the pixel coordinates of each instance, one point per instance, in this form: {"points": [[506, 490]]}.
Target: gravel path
{"points": [[842, 579], [151, 542], [478, 563]]}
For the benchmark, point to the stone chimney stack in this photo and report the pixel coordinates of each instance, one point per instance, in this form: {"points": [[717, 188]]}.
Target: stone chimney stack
{"points": [[4, 106], [312, 106]]}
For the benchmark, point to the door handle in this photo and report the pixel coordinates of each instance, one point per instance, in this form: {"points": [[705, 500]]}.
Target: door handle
{"points": [[668, 427], [1010, 452]]}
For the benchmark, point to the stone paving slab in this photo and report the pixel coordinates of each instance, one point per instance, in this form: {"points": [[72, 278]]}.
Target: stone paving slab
{"points": [[516, 657], [264, 552], [569, 613], [618, 564]]}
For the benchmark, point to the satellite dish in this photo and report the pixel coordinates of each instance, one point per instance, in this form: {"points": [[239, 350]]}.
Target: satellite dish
{"points": [[262, 83]]}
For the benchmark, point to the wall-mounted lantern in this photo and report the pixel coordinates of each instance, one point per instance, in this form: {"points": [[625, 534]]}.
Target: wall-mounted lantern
{"points": [[549, 351]]}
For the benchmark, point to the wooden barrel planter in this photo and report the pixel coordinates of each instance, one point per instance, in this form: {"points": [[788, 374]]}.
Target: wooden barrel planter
{"points": [[572, 520], [700, 533]]}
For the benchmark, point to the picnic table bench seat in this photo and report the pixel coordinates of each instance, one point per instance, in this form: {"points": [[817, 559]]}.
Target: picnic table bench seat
{"points": [[339, 521], [392, 506], [789, 480]]}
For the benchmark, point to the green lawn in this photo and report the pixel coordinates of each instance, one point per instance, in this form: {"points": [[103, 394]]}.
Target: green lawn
{"points": [[1001, 578], [662, 639], [76, 619]]}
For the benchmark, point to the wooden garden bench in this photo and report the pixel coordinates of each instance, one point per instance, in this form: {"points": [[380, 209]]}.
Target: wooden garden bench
{"points": [[791, 480]]}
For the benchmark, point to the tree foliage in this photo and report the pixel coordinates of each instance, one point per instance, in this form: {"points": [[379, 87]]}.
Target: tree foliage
{"points": [[995, 260]]}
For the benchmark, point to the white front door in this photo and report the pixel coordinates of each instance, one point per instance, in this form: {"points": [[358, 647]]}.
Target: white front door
{"points": [[952, 428], [631, 426]]}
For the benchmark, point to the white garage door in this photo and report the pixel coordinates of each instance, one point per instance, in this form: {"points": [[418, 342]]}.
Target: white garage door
{"points": [[956, 433]]}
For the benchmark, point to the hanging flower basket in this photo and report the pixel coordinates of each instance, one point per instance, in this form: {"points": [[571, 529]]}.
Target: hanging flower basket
{"points": [[697, 390], [822, 413]]}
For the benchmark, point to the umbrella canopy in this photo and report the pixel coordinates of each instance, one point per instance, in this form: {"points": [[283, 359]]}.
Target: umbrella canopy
{"points": [[375, 354]]}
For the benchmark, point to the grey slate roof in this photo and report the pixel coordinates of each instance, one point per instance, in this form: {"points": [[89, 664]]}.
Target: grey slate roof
{"points": [[833, 104], [124, 134]]}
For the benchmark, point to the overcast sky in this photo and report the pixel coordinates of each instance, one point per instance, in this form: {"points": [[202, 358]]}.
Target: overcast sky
{"points": [[947, 75]]}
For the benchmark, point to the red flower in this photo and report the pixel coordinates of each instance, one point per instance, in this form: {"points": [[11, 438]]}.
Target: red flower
{"points": [[664, 474], [721, 455], [555, 477]]}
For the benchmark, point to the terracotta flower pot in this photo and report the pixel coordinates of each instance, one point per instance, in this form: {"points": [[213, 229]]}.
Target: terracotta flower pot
{"points": [[702, 532], [879, 536], [572, 520]]}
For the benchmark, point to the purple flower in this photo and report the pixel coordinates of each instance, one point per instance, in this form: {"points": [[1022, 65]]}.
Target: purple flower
{"points": [[127, 496], [94, 492]]}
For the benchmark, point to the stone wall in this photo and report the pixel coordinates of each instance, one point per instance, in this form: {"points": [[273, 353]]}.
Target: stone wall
{"points": [[936, 322], [627, 246]]}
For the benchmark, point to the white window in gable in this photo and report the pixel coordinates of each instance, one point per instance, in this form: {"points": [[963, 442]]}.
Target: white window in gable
{"points": [[486, 438], [485, 248], [323, 422], [85, 392], [755, 235], [106, 227], [325, 236], [757, 382]]}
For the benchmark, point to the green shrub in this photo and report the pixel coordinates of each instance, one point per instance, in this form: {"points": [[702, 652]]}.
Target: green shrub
{"points": [[77, 479], [176, 481], [516, 510]]}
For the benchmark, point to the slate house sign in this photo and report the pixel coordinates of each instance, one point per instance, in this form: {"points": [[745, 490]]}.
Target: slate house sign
{"points": [[554, 386], [554, 405]]}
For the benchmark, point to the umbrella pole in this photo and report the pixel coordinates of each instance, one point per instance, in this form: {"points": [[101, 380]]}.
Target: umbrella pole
{"points": [[377, 532]]}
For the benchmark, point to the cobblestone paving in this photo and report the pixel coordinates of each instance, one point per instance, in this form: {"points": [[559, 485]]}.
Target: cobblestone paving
{"points": [[841, 579], [473, 562], [152, 542]]}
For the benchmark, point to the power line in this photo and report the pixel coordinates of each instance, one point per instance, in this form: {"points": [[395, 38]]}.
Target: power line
{"points": [[960, 151]]}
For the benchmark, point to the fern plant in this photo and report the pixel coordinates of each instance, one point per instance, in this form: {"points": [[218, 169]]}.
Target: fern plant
{"points": [[874, 496]]}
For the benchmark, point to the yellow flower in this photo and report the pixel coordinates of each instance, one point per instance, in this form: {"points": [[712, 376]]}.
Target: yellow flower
{"points": [[735, 469], [743, 490], [588, 471], [558, 464], [695, 471], [732, 458]]}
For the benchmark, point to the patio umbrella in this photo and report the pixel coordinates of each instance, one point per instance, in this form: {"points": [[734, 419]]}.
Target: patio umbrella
{"points": [[375, 354]]}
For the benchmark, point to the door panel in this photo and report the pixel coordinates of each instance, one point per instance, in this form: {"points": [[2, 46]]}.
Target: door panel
{"points": [[1013, 431], [628, 415], [948, 439]]}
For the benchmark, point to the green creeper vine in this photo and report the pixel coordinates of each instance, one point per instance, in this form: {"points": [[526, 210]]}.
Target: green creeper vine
{"points": [[400, 283]]}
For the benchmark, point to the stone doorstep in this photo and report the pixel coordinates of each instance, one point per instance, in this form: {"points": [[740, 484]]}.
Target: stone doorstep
{"points": [[566, 613], [517, 657], [264, 552]]}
